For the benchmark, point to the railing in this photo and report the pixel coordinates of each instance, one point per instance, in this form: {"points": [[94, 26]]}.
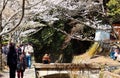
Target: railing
{"points": [[64, 66]]}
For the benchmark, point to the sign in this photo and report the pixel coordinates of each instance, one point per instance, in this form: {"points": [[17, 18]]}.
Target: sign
{"points": [[102, 35]]}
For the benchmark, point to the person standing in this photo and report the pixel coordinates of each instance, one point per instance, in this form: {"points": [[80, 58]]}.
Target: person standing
{"points": [[12, 60], [28, 51], [4, 55]]}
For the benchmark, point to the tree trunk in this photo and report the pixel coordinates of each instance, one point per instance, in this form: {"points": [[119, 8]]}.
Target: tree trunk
{"points": [[1, 53], [1, 42], [76, 27]]}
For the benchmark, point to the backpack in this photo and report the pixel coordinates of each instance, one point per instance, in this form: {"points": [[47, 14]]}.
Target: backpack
{"points": [[21, 63]]}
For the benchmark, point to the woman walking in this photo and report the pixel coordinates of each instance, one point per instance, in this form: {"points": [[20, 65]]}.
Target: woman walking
{"points": [[21, 62], [21, 65], [12, 60]]}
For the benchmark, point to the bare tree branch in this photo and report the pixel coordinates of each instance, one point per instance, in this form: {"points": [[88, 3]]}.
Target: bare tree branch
{"points": [[18, 12], [4, 4], [89, 24], [23, 6], [35, 32]]}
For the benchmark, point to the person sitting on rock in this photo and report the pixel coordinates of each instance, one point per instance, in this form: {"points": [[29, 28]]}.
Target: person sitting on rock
{"points": [[117, 54], [46, 59], [112, 55]]}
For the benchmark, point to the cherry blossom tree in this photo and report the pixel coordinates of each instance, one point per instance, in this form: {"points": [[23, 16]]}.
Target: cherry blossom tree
{"points": [[85, 12], [10, 18]]}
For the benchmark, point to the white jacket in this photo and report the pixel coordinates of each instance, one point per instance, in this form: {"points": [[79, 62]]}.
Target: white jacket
{"points": [[28, 50]]}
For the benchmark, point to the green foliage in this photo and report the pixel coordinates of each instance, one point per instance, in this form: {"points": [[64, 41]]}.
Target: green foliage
{"points": [[88, 32], [5, 42], [114, 9], [49, 40], [46, 35], [114, 6]]}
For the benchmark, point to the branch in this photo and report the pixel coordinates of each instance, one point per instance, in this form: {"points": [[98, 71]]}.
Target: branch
{"points": [[60, 30], [23, 5], [18, 12], [4, 4], [79, 38], [90, 22], [35, 32], [11, 17], [18, 33]]}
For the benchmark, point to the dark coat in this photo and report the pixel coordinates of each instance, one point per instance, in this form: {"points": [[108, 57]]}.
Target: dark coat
{"points": [[12, 57]]}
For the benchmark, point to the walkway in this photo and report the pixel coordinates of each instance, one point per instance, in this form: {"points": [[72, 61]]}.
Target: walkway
{"points": [[29, 73]]}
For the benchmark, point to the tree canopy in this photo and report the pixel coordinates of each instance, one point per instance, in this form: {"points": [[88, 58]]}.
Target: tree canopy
{"points": [[114, 10], [86, 12]]}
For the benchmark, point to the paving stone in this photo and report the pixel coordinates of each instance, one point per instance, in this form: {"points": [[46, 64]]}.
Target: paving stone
{"points": [[29, 73]]}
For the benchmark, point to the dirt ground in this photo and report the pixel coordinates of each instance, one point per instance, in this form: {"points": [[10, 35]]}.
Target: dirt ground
{"points": [[105, 60]]}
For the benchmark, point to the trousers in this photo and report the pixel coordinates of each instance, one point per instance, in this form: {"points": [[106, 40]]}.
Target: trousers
{"points": [[28, 60]]}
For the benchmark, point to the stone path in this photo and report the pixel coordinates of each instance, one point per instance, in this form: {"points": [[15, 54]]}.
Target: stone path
{"points": [[29, 73]]}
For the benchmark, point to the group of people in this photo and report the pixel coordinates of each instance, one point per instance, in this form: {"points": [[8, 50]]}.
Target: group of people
{"points": [[115, 53], [18, 58]]}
